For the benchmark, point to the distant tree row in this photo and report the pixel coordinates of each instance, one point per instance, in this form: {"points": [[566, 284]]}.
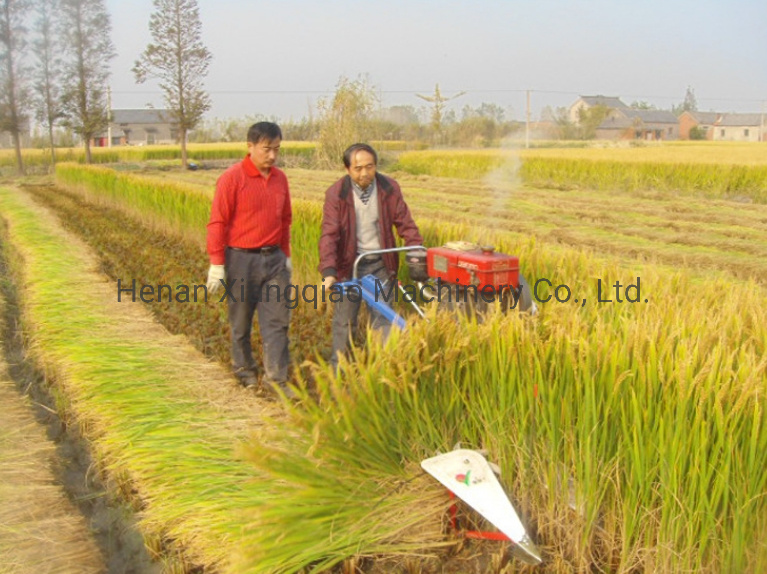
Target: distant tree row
{"points": [[54, 66], [55, 69], [353, 113]]}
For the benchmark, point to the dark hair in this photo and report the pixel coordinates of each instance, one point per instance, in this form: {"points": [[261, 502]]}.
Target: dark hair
{"points": [[354, 148], [264, 131]]}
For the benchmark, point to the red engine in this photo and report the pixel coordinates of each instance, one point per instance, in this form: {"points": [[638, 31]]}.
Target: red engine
{"points": [[462, 263]]}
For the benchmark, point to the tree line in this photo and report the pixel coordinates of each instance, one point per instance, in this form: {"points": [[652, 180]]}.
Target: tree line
{"points": [[54, 67]]}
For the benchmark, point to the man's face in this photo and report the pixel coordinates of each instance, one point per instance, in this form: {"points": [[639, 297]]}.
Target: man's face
{"points": [[362, 168], [264, 153]]}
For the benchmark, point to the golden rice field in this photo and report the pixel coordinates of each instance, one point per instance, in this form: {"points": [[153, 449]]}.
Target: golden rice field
{"points": [[632, 437], [709, 169], [149, 153], [197, 152], [739, 153], [659, 227]]}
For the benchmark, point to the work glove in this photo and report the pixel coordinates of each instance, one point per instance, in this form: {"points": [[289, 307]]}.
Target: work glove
{"points": [[289, 265], [215, 274], [327, 282]]}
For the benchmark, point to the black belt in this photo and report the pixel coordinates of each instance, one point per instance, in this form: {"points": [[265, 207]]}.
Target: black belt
{"points": [[370, 260], [265, 250]]}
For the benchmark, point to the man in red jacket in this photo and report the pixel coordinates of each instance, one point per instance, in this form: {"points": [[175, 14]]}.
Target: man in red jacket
{"points": [[249, 249], [359, 212]]}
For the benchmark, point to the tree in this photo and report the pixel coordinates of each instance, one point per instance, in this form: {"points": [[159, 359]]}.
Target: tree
{"points": [[589, 120], [85, 31], [177, 57], [14, 95], [690, 104], [438, 103], [474, 130], [400, 115], [47, 71], [492, 111], [345, 119], [643, 105], [566, 128], [697, 133]]}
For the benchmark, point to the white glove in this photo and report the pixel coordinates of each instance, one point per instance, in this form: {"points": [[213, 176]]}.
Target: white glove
{"points": [[215, 274], [289, 265], [327, 282]]}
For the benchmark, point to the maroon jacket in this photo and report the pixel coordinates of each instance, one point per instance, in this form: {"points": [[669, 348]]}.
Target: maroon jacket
{"points": [[338, 242]]}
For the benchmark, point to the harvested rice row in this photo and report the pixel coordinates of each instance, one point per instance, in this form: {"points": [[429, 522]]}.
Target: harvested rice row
{"points": [[163, 422], [40, 529]]}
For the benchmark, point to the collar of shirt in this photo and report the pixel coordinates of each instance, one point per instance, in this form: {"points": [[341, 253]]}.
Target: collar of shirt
{"points": [[252, 170], [359, 191]]}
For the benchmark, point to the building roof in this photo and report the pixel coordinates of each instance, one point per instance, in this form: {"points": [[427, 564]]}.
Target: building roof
{"points": [[631, 118], [704, 117], [147, 116], [616, 122], [735, 120], [652, 116], [607, 101]]}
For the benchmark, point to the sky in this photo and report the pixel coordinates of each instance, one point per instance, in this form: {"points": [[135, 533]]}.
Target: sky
{"points": [[275, 59]]}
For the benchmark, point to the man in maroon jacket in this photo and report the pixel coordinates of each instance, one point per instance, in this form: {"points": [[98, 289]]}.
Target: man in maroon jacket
{"points": [[249, 248], [359, 212]]}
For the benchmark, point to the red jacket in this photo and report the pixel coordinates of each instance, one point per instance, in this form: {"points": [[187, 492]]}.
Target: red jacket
{"points": [[338, 242]]}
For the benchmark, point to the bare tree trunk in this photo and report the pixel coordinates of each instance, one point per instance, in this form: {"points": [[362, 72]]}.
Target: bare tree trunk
{"points": [[53, 146], [19, 159], [88, 158], [182, 136]]}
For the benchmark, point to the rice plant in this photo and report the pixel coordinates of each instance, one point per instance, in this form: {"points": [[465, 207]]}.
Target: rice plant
{"points": [[632, 435]]}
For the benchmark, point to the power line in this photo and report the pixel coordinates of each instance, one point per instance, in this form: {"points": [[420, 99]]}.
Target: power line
{"points": [[466, 90]]}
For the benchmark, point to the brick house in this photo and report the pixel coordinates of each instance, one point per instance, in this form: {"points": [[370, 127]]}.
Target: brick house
{"points": [[631, 124], [705, 121]]}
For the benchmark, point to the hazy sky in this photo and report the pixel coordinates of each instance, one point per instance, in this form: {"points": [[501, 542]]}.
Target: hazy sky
{"points": [[276, 58]]}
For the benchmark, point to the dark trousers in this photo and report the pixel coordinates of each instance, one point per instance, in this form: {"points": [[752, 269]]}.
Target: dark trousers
{"points": [[258, 282], [346, 312]]}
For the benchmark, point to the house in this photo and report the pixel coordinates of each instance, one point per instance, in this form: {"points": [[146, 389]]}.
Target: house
{"points": [[631, 124], [586, 102], [740, 127], [138, 127], [704, 122]]}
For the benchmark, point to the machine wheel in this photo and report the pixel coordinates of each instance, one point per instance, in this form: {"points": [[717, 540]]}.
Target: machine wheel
{"points": [[460, 302], [525, 303], [477, 309]]}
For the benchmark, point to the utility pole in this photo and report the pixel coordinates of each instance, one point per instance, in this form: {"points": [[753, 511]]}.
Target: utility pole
{"points": [[527, 122]]}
